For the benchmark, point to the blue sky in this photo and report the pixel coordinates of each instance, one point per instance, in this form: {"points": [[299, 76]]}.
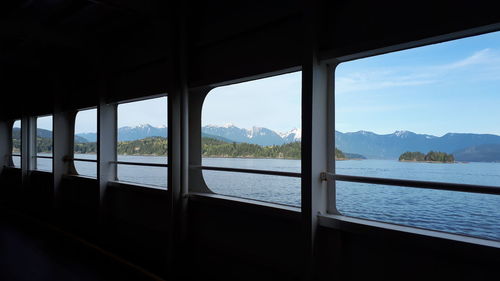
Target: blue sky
{"points": [[44, 122], [436, 89], [86, 121], [150, 111], [273, 102]]}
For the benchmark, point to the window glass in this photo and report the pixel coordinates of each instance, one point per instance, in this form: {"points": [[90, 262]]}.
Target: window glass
{"points": [[254, 125], [142, 142], [16, 144], [85, 147], [429, 114], [44, 143]]}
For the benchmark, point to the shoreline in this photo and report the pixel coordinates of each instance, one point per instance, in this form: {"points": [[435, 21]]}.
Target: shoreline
{"points": [[158, 155], [336, 159], [243, 157]]}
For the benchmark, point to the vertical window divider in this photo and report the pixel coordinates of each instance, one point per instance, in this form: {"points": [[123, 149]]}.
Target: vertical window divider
{"points": [[178, 150], [9, 161], [331, 185], [314, 140], [315, 106], [62, 142], [25, 147], [5, 148], [31, 136], [106, 147]]}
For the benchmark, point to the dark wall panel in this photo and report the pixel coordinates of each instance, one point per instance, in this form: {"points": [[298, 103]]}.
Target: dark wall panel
{"points": [[228, 242], [379, 254], [136, 225]]}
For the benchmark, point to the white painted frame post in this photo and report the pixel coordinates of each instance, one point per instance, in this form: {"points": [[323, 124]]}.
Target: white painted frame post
{"points": [[315, 151], [28, 136], [62, 150], [178, 152], [106, 147], [331, 166]]}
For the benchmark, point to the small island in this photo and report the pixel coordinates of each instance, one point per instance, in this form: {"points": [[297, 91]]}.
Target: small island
{"points": [[432, 157], [339, 155]]}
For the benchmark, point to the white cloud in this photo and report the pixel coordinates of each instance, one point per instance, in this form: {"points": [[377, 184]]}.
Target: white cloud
{"points": [[485, 56], [375, 108], [481, 65]]}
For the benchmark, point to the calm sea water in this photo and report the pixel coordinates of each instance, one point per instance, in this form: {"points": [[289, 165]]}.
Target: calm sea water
{"points": [[455, 212]]}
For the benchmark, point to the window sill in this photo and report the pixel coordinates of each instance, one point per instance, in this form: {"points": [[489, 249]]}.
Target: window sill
{"points": [[136, 186], [40, 171], [11, 167], [357, 225], [249, 204], [81, 177]]}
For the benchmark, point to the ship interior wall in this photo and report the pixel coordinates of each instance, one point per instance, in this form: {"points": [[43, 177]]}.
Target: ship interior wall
{"points": [[178, 233]]}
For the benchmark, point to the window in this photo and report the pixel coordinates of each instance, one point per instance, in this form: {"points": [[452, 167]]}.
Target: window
{"points": [[251, 135], [44, 143], [427, 114], [16, 144], [85, 148], [142, 142]]}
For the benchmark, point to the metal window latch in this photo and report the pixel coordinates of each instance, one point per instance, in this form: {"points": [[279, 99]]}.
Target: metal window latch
{"points": [[323, 176]]}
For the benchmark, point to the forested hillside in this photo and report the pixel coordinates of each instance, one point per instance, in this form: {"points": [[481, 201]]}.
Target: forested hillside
{"points": [[210, 148]]}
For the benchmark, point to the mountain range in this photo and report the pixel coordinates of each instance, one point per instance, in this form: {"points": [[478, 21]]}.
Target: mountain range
{"points": [[227, 133], [391, 146], [255, 135], [464, 146], [46, 134]]}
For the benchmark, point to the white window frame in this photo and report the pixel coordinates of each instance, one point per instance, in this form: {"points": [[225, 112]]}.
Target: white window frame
{"points": [[12, 155], [241, 170], [74, 159], [117, 162], [33, 143], [333, 218]]}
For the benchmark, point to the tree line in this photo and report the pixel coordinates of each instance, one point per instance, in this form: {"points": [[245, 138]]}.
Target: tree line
{"points": [[216, 148], [158, 146], [339, 154], [210, 147], [432, 156]]}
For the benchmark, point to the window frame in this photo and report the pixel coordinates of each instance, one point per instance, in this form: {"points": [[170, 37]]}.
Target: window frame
{"points": [[11, 153], [35, 155], [333, 218], [75, 159], [206, 190], [116, 163]]}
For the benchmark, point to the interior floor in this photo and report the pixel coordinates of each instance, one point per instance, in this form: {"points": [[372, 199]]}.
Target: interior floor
{"points": [[32, 250]]}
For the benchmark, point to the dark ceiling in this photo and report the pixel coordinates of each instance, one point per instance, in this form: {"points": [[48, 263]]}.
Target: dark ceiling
{"points": [[70, 53], [49, 48]]}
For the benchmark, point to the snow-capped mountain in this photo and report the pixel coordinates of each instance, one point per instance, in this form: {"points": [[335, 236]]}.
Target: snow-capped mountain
{"points": [[227, 132], [264, 136], [255, 135], [142, 131], [291, 136], [132, 133]]}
